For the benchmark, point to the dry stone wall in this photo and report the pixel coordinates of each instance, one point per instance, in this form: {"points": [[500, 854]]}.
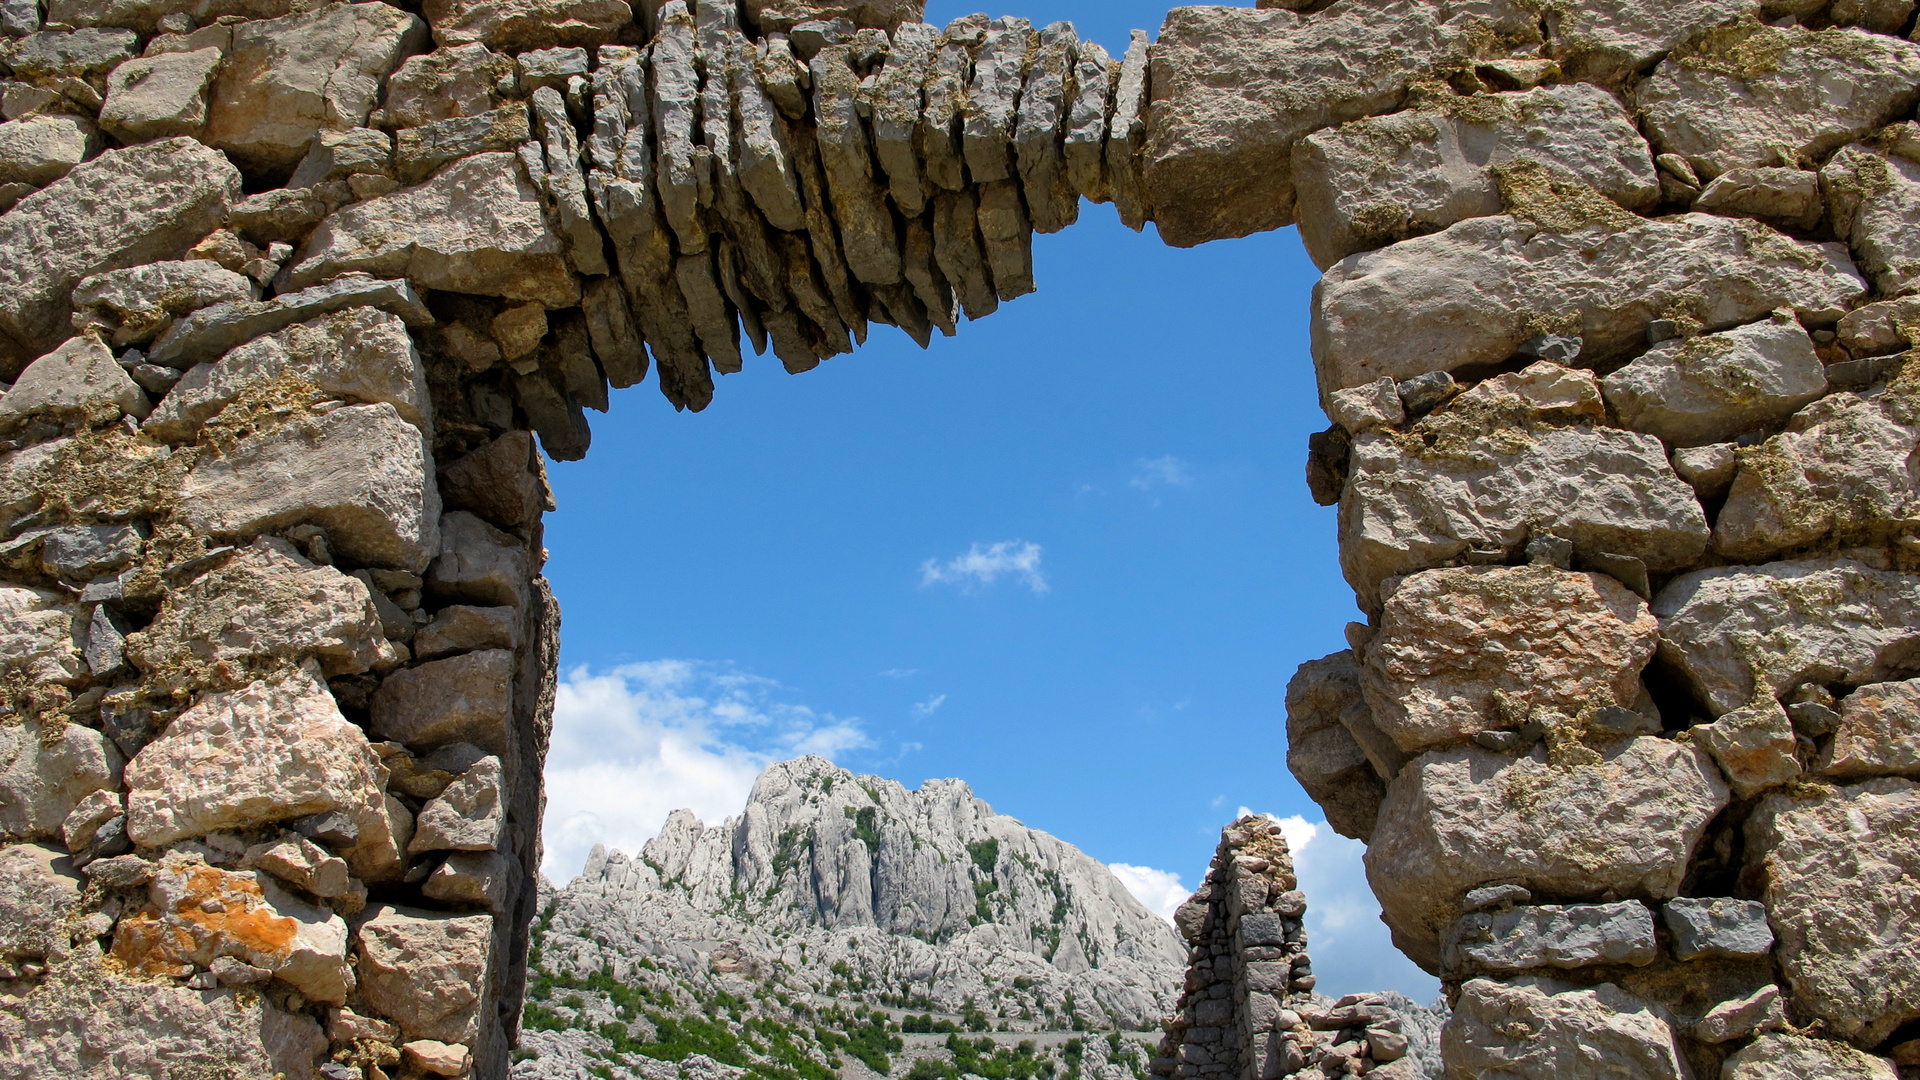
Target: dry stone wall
{"points": [[1613, 333]]}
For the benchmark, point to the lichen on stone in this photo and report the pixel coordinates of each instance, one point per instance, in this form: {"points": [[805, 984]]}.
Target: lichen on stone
{"points": [[1535, 193]]}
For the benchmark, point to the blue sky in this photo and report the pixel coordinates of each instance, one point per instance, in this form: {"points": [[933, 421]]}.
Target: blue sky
{"points": [[1067, 556]]}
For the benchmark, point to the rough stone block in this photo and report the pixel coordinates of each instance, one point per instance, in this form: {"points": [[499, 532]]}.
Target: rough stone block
{"points": [[1544, 1027], [470, 815], [211, 331], [38, 892], [497, 482], [138, 303], [1785, 1056], [1754, 745], [1786, 198], [78, 379], [1713, 388], [478, 564], [465, 698], [426, 971], [444, 84], [1324, 706], [1718, 927], [1877, 734], [516, 25], [46, 768], [462, 628], [37, 150], [160, 96], [40, 634], [1551, 935]]}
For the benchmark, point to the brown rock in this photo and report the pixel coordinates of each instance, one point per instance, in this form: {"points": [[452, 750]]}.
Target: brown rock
{"points": [[1877, 736], [466, 698], [497, 482], [426, 971]]}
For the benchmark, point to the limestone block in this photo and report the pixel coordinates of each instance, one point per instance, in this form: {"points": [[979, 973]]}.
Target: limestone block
{"points": [[48, 56], [360, 472], [478, 564], [209, 332], [1879, 329], [1323, 754], [38, 890], [470, 815], [1877, 736], [160, 96], [476, 227], [1754, 745], [1627, 820], [780, 16], [361, 355], [78, 379], [1742, 1017], [1095, 74], [1551, 935], [1607, 43], [462, 628], [1754, 95], [515, 25], [497, 482], [46, 768], [1544, 1027], [991, 106], [1720, 926], [302, 863], [1488, 648], [1712, 388], [271, 751], [444, 84], [40, 634], [1846, 909], [867, 233], [1052, 201], [1790, 1057], [144, 15], [426, 971], [1741, 632], [1235, 88], [138, 303], [197, 912], [1409, 506], [465, 698], [484, 878], [1786, 198], [436, 1058], [89, 816], [1709, 469], [287, 79], [1401, 311], [40, 149], [80, 553], [419, 151], [123, 208], [1874, 200], [1371, 182]]}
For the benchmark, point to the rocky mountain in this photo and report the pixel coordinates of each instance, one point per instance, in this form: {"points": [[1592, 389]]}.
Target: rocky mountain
{"points": [[838, 895]]}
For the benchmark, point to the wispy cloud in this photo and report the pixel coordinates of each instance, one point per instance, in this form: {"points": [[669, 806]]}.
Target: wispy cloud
{"points": [[900, 673], [984, 566], [1165, 471], [924, 709], [636, 743], [1159, 890]]}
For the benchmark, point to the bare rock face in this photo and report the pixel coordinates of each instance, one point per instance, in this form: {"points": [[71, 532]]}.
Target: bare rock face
{"points": [[1551, 935], [1473, 293], [1544, 1027], [1790, 1057], [1371, 182], [46, 768], [287, 79], [1322, 752], [526, 24], [1877, 735], [1753, 95], [1738, 633], [478, 564], [476, 227], [1850, 949], [1623, 817], [444, 84], [426, 970], [496, 482], [210, 331], [1606, 43], [360, 472], [123, 208], [1875, 201], [1754, 745], [1489, 648], [779, 16], [1716, 387], [1782, 197]]}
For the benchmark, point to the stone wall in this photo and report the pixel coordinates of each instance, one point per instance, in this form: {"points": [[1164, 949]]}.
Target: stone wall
{"points": [[1613, 335]]}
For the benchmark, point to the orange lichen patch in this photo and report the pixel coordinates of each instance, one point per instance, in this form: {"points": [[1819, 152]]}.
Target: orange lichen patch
{"points": [[148, 946], [198, 913], [239, 913]]}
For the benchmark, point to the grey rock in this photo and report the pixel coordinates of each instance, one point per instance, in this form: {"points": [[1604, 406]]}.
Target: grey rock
{"points": [[46, 768], [957, 250], [1364, 408], [549, 67], [1607, 283], [78, 379], [1608, 43], [1754, 745], [482, 878], [50, 55], [286, 214], [106, 652], [1786, 1056], [342, 155], [899, 99], [1879, 329], [1322, 753], [1873, 735], [1084, 148], [38, 892], [1371, 182], [18, 18], [1551, 935], [1875, 198], [466, 698], [867, 233], [1496, 896], [1127, 134], [1544, 1027], [211, 331], [37, 150], [470, 815], [478, 564], [498, 482], [1710, 469], [1785, 198], [564, 183], [992, 103], [1007, 237], [785, 15], [940, 141], [444, 84], [1720, 107], [39, 634], [1039, 151], [136, 304], [462, 628], [81, 552], [1712, 388], [1723, 628], [1737, 1019], [675, 93], [427, 971], [1717, 927]]}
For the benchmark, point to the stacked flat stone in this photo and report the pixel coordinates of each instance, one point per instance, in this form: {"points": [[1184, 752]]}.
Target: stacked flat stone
{"points": [[1247, 1010]]}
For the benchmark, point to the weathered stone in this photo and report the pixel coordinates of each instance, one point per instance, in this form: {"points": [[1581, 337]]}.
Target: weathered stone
{"points": [[38, 891], [1786, 198], [419, 151], [1551, 935], [992, 102], [1877, 735], [1371, 182], [1625, 818], [462, 628], [198, 912], [286, 215], [38, 150], [514, 25], [1718, 927], [867, 234], [46, 768], [469, 815], [1754, 745], [48, 56], [1849, 950], [1052, 201], [1490, 648], [478, 564], [1880, 329], [1608, 43], [1544, 1027], [136, 304], [1791, 1057], [160, 96], [287, 79], [497, 482], [437, 1058], [565, 185], [80, 553], [1741, 632], [1753, 95], [1399, 311], [482, 878], [444, 84], [1235, 88], [123, 208], [78, 379], [89, 815], [780, 16], [211, 331], [302, 863], [1740, 1018], [1875, 202], [1712, 388], [550, 68], [335, 156], [465, 698], [361, 354], [360, 472], [1322, 752], [40, 634], [426, 971], [1007, 237]]}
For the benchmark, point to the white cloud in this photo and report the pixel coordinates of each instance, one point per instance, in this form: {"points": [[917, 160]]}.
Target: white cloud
{"points": [[634, 744], [984, 567], [1159, 890], [927, 708], [1167, 471]]}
